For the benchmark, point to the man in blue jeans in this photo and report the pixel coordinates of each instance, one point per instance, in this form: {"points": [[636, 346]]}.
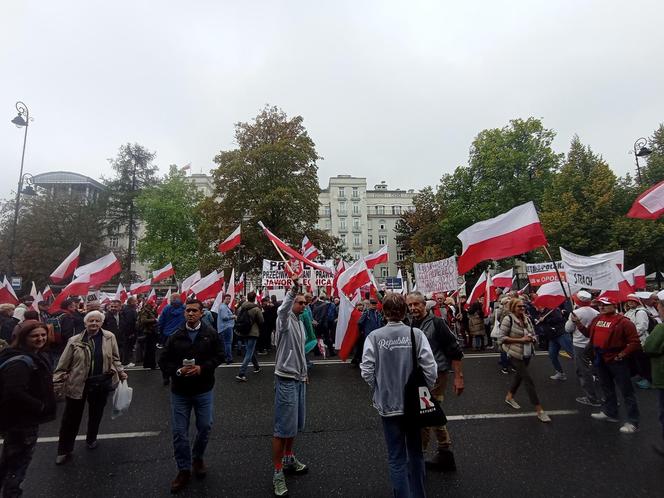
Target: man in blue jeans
{"points": [[552, 325], [189, 358], [225, 324], [249, 317]]}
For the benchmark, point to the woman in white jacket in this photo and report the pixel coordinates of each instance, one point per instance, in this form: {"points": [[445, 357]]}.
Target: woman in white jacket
{"points": [[386, 366]]}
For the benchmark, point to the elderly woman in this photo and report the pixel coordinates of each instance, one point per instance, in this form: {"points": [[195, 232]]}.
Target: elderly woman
{"points": [[517, 339], [26, 401], [88, 370], [386, 365]]}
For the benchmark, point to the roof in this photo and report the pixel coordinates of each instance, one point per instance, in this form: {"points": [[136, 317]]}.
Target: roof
{"points": [[66, 178]]}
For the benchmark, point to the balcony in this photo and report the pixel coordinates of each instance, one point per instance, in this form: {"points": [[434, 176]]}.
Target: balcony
{"points": [[342, 212]]}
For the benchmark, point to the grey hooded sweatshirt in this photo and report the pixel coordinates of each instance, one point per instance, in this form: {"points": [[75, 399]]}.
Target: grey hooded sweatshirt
{"points": [[387, 364], [290, 337]]}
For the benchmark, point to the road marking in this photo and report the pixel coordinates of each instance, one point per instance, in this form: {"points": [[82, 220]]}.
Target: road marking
{"points": [[119, 435], [482, 416]]}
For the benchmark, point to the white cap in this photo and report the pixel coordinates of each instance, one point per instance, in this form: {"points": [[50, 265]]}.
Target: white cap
{"points": [[660, 295], [584, 296]]}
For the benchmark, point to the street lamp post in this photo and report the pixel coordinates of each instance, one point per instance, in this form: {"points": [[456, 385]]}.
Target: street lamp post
{"points": [[640, 150], [21, 120]]}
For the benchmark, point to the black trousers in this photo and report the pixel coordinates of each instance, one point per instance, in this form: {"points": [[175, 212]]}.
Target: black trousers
{"points": [[150, 351], [523, 375], [71, 419], [17, 450]]}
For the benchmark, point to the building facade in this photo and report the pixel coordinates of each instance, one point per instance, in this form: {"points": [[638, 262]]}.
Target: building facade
{"points": [[364, 219]]}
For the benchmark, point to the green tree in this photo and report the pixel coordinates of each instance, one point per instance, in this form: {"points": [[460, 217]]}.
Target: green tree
{"points": [[134, 171], [169, 211], [653, 170], [271, 177], [49, 228]]}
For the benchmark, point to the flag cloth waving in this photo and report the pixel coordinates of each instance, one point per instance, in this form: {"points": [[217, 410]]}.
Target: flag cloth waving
{"points": [[232, 241], [67, 267], [650, 204], [290, 251], [517, 231]]}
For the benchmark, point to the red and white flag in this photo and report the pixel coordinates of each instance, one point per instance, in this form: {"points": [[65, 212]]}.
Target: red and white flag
{"points": [[650, 204], [377, 258], [550, 295], [232, 241], [636, 277], [121, 293], [100, 270], [36, 297], [353, 278], [341, 267], [163, 273], [77, 287], [164, 302], [7, 294], [231, 289], [504, 279], [309, 251], [189, 281], [515, 232], [152, 297], [141, 287], [347, 332], [67, 267], [484, 287], [290, 251], [239, 286], [207, 287], [47, 293]]}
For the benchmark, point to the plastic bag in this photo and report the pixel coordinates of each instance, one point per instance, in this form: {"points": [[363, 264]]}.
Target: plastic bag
{"points": [[121, 399]]}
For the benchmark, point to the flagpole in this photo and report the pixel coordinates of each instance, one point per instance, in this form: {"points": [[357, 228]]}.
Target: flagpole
{"points": [[282, 255], [555, 267]]}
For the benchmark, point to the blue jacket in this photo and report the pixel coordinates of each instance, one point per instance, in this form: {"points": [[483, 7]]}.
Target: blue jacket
{"points": [[225, 318], [171, 319], [370, 321]]}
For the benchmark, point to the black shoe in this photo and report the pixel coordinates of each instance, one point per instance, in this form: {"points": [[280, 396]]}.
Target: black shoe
{"points": [[442, 461], [92, 445], [199, 468], [180, 481]]}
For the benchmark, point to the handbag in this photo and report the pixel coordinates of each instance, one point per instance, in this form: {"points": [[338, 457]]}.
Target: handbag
{"points": [[420, 408]]}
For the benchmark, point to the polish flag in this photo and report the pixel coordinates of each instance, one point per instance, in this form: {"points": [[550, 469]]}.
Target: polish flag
{"points": [[353, 278], [67, 267], [478, 289], [378, 257], [504, 279], [290, 251], [636, 277], [163, 274], [7, 294], [347, 332], [650, 204], [239, 286], [36, 297], [152, 297], [232, 241], [47, 293], [121, 293], [550, 295], [217, 302], [515, 232], [100, 270], [484, 287], [309, 251], [164, 302], [341, 267], [189, 281], [231, 289], [140, 287], [207, 287], [77, 287]]}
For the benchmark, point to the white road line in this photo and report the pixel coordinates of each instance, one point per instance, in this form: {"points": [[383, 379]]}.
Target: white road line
{"points": [[481, 416], [119, 435]]}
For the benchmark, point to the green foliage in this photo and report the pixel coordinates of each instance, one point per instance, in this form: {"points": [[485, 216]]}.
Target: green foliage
{"points": [[270, 177], [653, 169], [169, 211]]}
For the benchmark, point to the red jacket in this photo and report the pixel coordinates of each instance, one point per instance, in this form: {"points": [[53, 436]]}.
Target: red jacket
{"points": [[622, 337]]}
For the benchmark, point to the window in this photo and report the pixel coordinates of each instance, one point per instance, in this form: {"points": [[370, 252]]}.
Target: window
{"points": [[326, 210], [382, 240], [380, 209], [356, 223], [342, 237], [356, 241], [370, 239], [342, 208], [342, 224], [113, 241], [356, 208], [396, 210], [357, 256], [356, 192], [401, 255], [328, 224], [382, 225], [383, 272], [342, 192]]}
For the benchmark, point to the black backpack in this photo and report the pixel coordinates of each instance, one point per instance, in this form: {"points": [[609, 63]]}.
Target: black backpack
{"points": [[7, 360], [243, 323]]}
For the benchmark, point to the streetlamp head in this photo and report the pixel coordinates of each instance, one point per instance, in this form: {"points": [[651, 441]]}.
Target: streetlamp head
{"points": [[28, 190], [19, 121], [644, 151]]}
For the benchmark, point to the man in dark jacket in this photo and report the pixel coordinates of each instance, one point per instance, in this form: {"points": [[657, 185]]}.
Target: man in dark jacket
{"points": [[252, 314], [190, 357], [448, 355], [370, 320], [552, 325], [128, 319]]}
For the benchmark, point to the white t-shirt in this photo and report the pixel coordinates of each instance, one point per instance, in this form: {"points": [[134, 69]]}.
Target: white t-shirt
{"points": [[586, 315]]}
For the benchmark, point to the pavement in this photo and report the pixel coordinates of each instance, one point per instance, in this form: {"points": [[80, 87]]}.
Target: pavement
{"points": [[499, 451]]}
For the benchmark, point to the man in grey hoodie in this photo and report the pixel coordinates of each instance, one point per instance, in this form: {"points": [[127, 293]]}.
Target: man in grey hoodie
{"points": [[290, 372]]}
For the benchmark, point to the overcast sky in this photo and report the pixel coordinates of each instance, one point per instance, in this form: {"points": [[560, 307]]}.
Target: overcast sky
{"points": [[393, 91]]}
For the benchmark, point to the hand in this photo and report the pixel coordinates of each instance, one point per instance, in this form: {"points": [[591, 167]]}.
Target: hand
{"points": [[122, 375], [575, 319], [190, 370], [458, 385]]}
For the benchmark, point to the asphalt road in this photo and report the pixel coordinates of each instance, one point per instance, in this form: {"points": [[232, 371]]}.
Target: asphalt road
{"points": [[343, 445]]}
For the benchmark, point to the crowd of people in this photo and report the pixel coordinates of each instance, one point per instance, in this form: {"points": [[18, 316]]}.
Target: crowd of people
{"points": [[81, 353]]}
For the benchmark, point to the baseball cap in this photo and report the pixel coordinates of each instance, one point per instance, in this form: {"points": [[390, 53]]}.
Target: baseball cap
{"points": [[633, 297], [606, 300], [582, 298], [660, 295]]}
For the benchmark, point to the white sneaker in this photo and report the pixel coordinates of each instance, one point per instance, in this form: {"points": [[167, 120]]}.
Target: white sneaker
{"points": [[130, 365], [628, 428], [543, 417], [558, 376], [603, 416]]}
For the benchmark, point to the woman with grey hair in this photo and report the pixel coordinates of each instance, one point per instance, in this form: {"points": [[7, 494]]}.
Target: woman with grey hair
{"points": [[88, 370]]}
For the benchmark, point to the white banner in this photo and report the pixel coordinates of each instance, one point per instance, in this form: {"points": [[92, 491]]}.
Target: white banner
{"points": [[590, 272], [274, 275], [542, 273], [437, 276]]}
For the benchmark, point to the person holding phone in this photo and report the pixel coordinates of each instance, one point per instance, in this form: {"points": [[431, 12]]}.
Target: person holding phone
{"points": [[190, 358]]}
